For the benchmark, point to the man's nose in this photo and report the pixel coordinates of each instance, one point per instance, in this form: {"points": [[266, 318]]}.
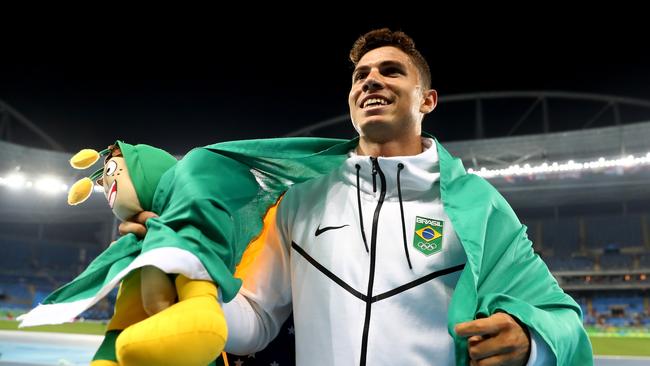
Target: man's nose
{"points": [[371, 83]]}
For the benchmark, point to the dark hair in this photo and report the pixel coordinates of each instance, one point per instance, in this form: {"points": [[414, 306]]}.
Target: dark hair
{"points": [[385, 37]]}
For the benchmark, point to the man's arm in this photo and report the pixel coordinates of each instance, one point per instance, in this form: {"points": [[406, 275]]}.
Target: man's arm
{"points": [[263, 303], [251, 328], [531, 295], [495, 340], [501, 340], [509, 277]]}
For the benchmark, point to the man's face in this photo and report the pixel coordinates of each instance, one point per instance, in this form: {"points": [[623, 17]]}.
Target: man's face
{"points": [[387, 98], [119, 189]]}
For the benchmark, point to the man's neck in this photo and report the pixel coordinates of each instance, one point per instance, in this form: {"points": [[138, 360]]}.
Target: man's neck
{"points": [[405, 146]]}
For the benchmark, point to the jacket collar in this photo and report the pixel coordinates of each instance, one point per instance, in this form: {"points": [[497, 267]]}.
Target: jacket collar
{"points": [[419, 175]]}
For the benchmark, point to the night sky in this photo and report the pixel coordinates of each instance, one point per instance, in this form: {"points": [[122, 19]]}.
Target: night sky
{"points": [[179, 86]]}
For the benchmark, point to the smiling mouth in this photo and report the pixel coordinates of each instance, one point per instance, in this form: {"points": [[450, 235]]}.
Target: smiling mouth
{"points": [[375, 102], [112, 194]]}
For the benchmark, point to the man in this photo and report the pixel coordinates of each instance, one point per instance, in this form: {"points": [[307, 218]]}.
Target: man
{"points": [[398, 256], [367, 256]]}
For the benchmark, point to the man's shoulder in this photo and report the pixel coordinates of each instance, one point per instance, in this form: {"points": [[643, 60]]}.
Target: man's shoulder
{"points": [[304, 198], [314, 187], [477, 190], [469, 181]]}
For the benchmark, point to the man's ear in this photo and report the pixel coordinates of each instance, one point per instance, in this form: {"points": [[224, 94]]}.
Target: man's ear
{"points": [[429, 101]]}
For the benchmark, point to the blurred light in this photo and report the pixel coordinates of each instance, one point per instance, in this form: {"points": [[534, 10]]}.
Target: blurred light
{"points": [[569, 166], [50, 185], [15, 181], [642, 277], [627, 277], [46, 184]]}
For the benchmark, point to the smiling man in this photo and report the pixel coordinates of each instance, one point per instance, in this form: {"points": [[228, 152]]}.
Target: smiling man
{"points": [[399, 256], [384, 248]]}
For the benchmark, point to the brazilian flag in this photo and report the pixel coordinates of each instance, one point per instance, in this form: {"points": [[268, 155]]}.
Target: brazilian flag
{"points": [[211, 205]]}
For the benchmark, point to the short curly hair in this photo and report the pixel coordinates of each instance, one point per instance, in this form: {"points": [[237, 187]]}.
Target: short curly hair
{"points": [[385, 37]]}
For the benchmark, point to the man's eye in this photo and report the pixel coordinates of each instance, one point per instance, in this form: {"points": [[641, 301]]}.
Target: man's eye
{"points": [[110, 168], [359, 76], [393, 71]]}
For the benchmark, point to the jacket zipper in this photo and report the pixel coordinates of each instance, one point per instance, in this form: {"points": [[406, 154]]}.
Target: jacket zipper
{"points": [[373, 251]]}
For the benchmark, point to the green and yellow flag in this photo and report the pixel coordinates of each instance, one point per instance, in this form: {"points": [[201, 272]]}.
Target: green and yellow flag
{"points": [[212, 202]]}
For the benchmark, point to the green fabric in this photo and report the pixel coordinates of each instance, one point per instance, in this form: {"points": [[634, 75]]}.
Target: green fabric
{"points": [[146, 165], [106, 350], [99, 273], [502, 272], [220, 193], [212, 203]]}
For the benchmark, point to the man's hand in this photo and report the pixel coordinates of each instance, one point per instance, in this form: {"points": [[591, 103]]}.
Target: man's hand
{"points": [[136, 224], [495, 340]]}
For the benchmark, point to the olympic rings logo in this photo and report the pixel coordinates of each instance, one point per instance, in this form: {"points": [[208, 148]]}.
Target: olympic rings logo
{"points": [[427, 246]]}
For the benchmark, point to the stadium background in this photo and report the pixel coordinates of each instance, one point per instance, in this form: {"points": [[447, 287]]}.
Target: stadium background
{"points": [[583, 195], [589, 219]]}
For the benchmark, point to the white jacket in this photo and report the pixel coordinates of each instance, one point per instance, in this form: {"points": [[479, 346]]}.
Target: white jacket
{"points": [[363, 292]]}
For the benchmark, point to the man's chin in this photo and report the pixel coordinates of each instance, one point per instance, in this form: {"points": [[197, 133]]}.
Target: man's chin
{"points": [[377, 131]]}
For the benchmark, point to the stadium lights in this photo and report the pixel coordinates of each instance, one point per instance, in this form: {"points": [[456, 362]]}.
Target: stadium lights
{"points": [[48, 184], [15, 181], [570, 166], [52, 185], [45, 184]]}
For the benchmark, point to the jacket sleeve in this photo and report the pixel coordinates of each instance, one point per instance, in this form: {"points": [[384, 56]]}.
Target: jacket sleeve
{"points": [[263, 303], [540, 353]]}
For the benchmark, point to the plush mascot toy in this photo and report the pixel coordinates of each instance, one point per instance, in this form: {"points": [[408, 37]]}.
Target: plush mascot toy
{"points": [[167, 312]]}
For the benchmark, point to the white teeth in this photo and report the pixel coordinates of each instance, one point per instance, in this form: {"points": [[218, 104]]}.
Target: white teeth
{"points": [[372, 101]]}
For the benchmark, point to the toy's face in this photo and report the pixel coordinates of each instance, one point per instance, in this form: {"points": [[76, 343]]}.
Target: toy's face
{"points": [[118, 188]]}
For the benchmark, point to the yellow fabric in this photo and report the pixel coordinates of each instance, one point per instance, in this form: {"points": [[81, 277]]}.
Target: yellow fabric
{"points": [[255, 246], [128, 306], [84, 159], [103, 363], [191, 332], [186, 288], [158, 291], [80, 191]]}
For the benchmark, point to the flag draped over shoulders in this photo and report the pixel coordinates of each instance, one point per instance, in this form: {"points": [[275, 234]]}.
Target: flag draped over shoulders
{"points": [[218, 195], [212, 202], [210, 206], [503, 274]]}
